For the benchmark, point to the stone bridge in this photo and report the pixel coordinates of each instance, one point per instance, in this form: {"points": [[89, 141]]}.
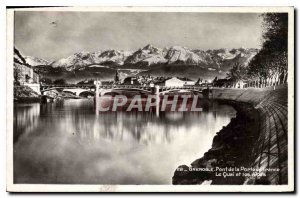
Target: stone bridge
{"points": [[80, 89]]}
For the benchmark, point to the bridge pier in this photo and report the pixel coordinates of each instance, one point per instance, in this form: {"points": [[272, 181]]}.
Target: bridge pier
{"points": [[157, 99], [97, 83]]}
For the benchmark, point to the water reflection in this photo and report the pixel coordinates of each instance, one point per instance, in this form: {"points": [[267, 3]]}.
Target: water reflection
{"points": [[26, 118], [67, 143]]}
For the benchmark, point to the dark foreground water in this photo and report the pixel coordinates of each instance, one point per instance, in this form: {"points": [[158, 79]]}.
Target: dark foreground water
{"points": [[67, 143]]}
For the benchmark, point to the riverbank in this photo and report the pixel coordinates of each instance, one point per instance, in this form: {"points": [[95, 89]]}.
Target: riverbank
{"points": [[25, 94], [256, 138]]}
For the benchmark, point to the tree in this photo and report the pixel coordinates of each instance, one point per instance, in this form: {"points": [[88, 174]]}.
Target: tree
{"points": [[270, 64], [46, 81], [59, 82], [215, 79], [275, 33], [117, 79], [18, 74], [237, 72]]}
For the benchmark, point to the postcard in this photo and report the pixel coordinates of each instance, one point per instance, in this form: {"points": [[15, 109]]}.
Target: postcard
{"points": [[150, 99]]}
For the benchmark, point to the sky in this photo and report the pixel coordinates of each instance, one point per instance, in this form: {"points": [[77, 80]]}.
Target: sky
{"points": [[36, 35]]}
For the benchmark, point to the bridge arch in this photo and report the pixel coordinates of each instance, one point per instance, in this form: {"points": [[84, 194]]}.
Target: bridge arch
{"points": [[87, 93], [76, 91]]}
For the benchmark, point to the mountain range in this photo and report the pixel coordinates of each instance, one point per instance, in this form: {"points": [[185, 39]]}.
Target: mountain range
{"points": [[149, 58]]}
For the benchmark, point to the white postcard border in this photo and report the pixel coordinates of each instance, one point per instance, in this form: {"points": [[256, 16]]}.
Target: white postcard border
{"points": [[148, 188]]}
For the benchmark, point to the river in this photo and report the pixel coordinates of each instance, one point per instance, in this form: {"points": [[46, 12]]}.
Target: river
{"points": [[67, 143]]}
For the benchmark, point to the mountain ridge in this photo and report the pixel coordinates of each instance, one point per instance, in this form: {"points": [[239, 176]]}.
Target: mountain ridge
{"points": [[148, 56], [169, 61]]}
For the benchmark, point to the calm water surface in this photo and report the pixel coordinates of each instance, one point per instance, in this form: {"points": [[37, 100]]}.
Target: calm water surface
{"points": [[67, 143]]}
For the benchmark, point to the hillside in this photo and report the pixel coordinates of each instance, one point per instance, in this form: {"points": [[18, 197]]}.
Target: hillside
{"points": [[193, 72]]}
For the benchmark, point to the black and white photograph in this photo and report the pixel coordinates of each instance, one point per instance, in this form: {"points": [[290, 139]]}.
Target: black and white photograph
{"points": [[150, 99]]}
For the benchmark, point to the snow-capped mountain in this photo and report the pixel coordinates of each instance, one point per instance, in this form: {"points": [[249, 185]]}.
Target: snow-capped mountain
{"points": [[19, 58], [225, 58], [169, 61], [33, 61], [178, 54], [28, 60], [74, 61], [150, 56], [113, 56], [82, 59]]}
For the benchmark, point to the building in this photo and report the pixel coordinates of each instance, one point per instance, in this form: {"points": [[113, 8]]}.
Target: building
{"points": [[131, 81], [228, 83], [27, 77], [86, 82], [178, 82], [107, 83], [24, 74], [187, 81], [222, 82], [240, 84]]}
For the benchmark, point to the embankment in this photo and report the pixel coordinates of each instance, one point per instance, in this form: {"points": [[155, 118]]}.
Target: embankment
{"points": [[255, 139], [25, 94]]}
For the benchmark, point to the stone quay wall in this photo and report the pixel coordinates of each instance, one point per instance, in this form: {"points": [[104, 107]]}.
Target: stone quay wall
{"points": [[256, 138]]}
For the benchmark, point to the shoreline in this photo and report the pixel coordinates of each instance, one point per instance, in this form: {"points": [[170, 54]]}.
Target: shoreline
{"points": [[27, 99], [256, 138]]}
